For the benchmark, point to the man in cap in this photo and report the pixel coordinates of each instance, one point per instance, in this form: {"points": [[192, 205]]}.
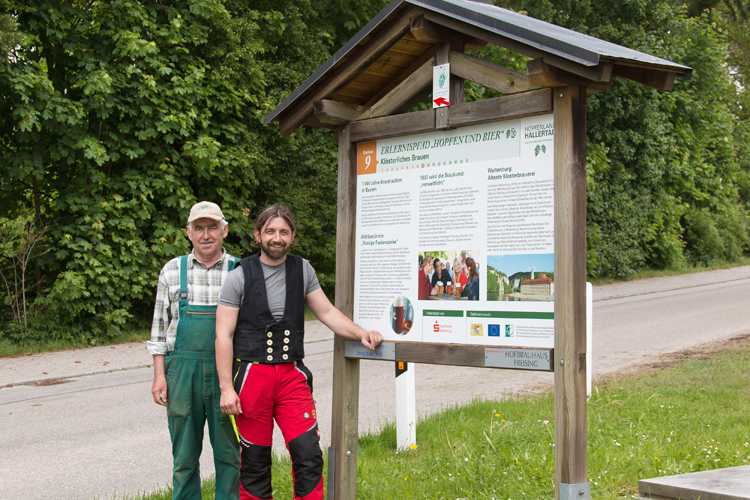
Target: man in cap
{"points": [[182, 342], [260, 331]]}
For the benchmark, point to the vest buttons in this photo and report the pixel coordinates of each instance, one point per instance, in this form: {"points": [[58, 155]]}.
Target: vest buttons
{"points": [[286, 341], [269, 342], [269, 335], [269, 358], [286, 332], [269, 350], [285, 357], [286, 347]]}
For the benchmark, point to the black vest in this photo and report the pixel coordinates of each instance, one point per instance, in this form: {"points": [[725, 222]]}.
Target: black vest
{"points": [[258, 336]]}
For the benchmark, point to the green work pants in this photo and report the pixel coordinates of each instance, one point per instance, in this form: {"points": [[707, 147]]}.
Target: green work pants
{"points": [[193, 397], [193, 394]]}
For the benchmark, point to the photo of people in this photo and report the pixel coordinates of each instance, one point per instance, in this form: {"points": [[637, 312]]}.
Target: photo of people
{"points": [[529, 277], [402, 315], [448, 275]]}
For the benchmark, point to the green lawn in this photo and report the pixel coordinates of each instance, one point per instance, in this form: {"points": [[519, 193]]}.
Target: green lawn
{"points": [[61, 341], [657, 273], [690, 417]]}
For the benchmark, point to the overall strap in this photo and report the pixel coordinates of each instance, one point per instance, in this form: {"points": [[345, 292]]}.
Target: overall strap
{"points": [[183, 279]]}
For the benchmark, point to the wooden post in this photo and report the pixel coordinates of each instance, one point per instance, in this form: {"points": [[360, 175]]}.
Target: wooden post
{"points": [[457, 83], [345, 411], [442, 115], [570, 293], [442, 56]]}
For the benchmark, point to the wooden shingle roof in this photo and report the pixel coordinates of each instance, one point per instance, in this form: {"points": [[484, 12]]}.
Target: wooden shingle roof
{"points": [[398, 41]]}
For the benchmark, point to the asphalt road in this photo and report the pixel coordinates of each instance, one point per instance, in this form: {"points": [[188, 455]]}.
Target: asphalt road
{"points": [[101, 436]]}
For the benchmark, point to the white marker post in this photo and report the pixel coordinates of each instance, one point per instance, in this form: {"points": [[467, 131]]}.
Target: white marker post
{"points": [[589, 334], [406, 405], [441, 78]]}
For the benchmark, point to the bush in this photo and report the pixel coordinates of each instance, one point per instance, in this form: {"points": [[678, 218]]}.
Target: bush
{"points": [[712, 237]]}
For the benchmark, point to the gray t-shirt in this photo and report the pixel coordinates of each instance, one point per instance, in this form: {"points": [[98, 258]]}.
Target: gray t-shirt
{"points": [[233, 290]]}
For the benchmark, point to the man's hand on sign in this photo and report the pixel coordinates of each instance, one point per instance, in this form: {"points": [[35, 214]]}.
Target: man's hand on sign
{"points": [[230, 403], [371, 339]]}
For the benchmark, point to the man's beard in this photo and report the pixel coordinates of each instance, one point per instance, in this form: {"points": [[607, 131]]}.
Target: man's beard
{"points": [[274, 252]]}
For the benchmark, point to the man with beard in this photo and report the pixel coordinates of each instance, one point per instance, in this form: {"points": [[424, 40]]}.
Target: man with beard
{"points": [[441, 274], [259, 352]]}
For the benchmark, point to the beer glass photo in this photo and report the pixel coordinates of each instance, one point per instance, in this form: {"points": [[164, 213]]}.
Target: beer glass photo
{"points": [[401, 314]]}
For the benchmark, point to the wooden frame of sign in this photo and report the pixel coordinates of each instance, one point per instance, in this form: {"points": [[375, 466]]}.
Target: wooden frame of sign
{"points": [[552, 84], [568, 105]]}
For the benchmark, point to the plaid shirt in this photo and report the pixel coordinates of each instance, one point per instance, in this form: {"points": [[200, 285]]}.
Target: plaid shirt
{"points": [[204, 285]]}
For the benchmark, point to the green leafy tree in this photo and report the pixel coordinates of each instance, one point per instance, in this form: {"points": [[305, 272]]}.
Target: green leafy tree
{"points": [[9, 36], [118, 116], [663, 167], [266, 49], [111, 129]]}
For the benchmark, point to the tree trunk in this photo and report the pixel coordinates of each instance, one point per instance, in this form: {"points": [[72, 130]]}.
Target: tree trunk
{"points": [[38, 214]]}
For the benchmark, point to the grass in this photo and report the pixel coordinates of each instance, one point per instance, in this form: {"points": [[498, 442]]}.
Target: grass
{"points": [[12, 348], [687, 418], [658, 273]]}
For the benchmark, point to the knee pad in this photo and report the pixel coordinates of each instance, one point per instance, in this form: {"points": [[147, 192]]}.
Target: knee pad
{"points": [[255, 470], [307, 461]]}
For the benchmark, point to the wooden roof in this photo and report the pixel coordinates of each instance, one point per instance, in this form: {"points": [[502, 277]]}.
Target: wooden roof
{"points": [[401, 41]]}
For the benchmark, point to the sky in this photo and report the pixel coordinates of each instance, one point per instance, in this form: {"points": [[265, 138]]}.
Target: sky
{"points": [[511, 264]]}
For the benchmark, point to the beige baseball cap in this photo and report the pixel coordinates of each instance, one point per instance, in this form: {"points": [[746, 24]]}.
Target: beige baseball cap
{"points": [[205, 209]]}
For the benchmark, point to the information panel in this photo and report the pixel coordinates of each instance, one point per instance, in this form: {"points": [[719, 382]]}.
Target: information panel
{"points": [[455, 235]]}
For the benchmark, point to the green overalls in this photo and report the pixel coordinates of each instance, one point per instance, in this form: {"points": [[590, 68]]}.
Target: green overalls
{"points": [[193, 397]]}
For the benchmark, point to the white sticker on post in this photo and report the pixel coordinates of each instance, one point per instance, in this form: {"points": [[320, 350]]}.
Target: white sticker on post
{"points": [[441, 86]]}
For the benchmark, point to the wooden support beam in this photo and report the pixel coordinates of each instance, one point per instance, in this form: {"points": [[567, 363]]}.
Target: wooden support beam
{"points": [[337, 113], [314, 122], [474, 31], [447, 354], [345, 404], [368, 54], [480, 33], [457, 82], [660, 80], [570, 286], [425, 31], [601, 72], [412, 85], [490, 75], [393, 126], [427, 56], [542, 74], [535, 102]]}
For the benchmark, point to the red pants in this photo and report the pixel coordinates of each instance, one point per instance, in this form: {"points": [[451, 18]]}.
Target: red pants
{"points": [[282, 392]]}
